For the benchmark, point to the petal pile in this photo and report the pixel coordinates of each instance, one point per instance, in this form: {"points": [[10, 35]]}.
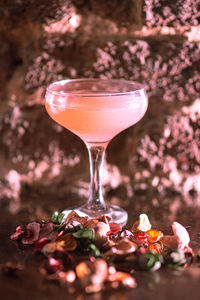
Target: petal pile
{"points": [[93, 252]]}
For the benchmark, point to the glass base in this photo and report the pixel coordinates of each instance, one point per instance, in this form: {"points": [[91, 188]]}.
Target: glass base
{"points": [[116, 213]]}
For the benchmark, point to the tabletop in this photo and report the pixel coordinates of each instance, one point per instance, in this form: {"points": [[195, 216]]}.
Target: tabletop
{"points": [[165, 283]]}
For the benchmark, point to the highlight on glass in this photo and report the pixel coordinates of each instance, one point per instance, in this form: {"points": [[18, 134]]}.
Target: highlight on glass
{"points": [[96, 110]]}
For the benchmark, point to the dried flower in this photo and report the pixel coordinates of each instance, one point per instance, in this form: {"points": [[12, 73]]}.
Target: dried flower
{"points": [[154, 235], [143, 224], [41, 243], [85, 233], [180, 240], [70, 242], [175, 258], [73, 216], [52, 247], [150, 261], [115, 228], [18, 233], [122, 277], [182, 235], [123, 248], [31, 233], [92, 275], [57, 217]]}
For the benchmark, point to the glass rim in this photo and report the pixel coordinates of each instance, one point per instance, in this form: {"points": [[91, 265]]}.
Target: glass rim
{"points": [[138, 87]]}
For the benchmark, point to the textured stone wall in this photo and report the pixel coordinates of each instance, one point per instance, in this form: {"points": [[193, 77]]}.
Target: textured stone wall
{"points": [[156, 42]]}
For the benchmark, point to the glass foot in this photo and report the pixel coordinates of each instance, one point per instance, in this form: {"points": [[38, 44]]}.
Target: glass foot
{"points": [[116, 213]]}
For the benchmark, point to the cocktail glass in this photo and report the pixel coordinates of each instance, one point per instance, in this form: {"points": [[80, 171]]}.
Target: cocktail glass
{"points": [[96, 110]]}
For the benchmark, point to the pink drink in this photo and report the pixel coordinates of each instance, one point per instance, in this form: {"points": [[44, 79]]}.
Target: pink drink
{"points": [[96, 110], [96, 119]]}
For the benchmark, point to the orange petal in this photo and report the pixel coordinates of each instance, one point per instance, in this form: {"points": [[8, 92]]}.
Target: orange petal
{"points": [[82, 270], [156, 247], [69, 242], [123, 277], [154, 235]]}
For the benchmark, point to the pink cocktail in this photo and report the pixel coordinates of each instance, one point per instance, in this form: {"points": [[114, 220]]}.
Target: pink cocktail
{"points": [[96, 110]]}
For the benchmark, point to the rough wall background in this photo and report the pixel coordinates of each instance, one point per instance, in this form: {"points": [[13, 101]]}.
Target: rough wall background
{"points": [[44, 167]]}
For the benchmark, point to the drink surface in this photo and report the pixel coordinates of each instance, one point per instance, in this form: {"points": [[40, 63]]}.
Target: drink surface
{"points": [[94, 118]]}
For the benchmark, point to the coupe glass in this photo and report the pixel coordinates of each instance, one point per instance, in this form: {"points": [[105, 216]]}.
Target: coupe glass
{"points": [[96, 110]]}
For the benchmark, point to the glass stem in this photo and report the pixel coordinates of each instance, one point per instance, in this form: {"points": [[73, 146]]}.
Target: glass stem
{"points": [[96, 158]]}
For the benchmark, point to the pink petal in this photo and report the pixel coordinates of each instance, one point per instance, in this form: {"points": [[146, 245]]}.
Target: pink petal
{"points": [[182, 235], [114, 228], [32, 233], [41, 243], [17, 233]]}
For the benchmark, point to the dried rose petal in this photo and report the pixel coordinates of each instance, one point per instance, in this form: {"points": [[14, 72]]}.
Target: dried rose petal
{"points": [[156, 247], [124, 247], [101, 231], [17, 234], [52, 247], [104, 219], [182, 235], [115, 228], [92, 274], [123, 277], [134, 227], [91, 223], [154, 235], [70, 242], [141, 237], [47, 230], [170, 241], [126, 234], [82, 270], [41, 243], [32, 233], [179, 240], [73, 216]]}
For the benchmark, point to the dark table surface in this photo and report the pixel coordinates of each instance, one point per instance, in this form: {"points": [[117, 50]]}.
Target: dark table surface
{"points": [[162, 284]]}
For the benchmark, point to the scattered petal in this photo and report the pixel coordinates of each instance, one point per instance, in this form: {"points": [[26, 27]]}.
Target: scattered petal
{"points": [[18, 233], [175, 258], [52, 247], [32, 233], [82, 270], [70, 242], [85, 233], [124, 247], [144, 223], [154, 235], [182, 235], [141, 237], [170, 241], [150, 261], [115, 228], [125, 278], [57, 217], [73, 216], [41, 243], [101, 231]]}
